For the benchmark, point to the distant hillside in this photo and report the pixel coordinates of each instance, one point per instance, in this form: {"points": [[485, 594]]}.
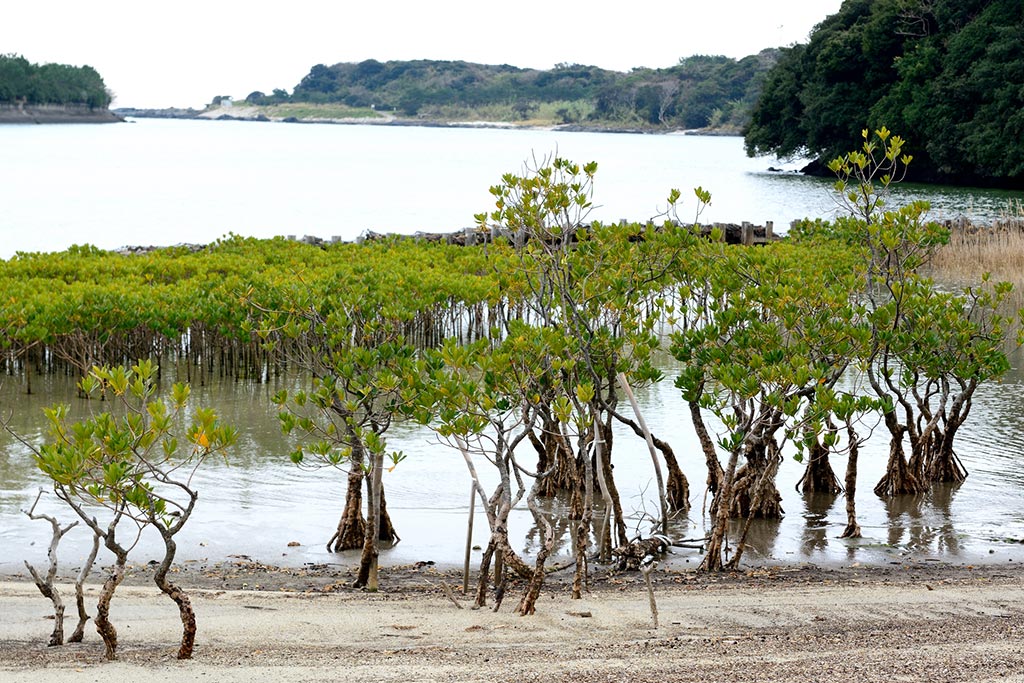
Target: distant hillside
{"points": [[698, 92], [24, 83]]}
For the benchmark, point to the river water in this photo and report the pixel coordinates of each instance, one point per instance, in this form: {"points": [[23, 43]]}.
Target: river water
{"points": [[166, 182]]}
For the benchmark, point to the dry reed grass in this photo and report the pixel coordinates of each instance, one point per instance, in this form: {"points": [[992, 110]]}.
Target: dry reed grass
{"points": [[997, 249]]}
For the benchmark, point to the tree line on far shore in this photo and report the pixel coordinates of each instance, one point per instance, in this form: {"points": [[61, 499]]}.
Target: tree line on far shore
{"points": [[28, 83], [696, 92]]}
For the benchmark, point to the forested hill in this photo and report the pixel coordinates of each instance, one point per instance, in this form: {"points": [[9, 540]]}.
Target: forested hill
{"points": [[946, 75], [696, 92], [22, 82]]}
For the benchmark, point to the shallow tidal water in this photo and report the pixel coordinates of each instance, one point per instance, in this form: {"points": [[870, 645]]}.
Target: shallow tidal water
{"points": [[258, 504]]}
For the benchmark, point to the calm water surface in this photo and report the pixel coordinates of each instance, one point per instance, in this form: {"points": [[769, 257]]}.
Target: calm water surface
{"points": [[166, 182], [258, 502]]}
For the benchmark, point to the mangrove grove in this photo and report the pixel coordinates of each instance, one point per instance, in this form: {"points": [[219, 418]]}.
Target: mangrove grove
{"points": [[521, 347]]}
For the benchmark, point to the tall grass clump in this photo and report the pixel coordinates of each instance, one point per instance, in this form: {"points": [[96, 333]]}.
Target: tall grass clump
{"points": [[974, 249]]}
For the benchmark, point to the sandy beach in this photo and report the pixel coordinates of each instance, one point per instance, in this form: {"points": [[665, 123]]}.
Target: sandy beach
{"points": [[899, 623]]}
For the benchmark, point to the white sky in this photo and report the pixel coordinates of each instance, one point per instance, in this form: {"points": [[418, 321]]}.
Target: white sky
{"points": [[184, 53]]}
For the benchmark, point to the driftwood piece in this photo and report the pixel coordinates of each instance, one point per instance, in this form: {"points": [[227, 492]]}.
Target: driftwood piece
{"points": [[630, 557], [448, 593]]}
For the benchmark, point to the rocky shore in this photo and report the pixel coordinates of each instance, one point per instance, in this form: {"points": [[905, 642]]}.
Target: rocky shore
{"points": [[55, 113], [242, 112], [168, 113]]}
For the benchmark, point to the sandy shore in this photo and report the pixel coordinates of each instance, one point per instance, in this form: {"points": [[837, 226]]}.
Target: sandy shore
{"points": [[804, 624]]}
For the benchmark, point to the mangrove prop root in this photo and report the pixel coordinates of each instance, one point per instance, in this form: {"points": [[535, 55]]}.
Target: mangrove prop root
{"points": [[818, 477], [900, 477]]}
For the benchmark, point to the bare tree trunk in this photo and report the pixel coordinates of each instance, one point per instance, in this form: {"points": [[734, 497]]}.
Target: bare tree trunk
{"points": [[662, 496], [581, 576], [47, 586], [715, 473], [621, 534], [483, 580], [527, 605], [713, 554], [368, 562], [490, 510], [103, 624], [852, 527], [604, 535], [83, 573], [499, 549], [188, 615], [763, 488], [50, 591], [351, 527], [83, 616]]}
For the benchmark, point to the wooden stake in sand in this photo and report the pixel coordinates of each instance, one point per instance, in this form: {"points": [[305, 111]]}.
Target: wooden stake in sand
{"points": [[469, 538], [646, 570]]}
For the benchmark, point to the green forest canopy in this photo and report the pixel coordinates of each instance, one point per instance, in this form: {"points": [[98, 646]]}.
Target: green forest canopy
{"points": [[697, 92], [23, 81], [946, 74]]}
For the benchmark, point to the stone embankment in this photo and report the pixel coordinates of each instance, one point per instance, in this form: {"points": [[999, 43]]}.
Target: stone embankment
{"points": [[730, 233], [167, 113], [55, 113], [1008, 224]]}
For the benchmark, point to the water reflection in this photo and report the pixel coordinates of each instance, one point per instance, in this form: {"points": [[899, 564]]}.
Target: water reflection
{"points": [[256, 503], [556, 511], [762, 537], [817, 507], [924, 523]]}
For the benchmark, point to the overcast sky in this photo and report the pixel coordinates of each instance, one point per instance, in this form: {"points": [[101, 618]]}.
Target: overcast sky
{"points": [[184, 53]]}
